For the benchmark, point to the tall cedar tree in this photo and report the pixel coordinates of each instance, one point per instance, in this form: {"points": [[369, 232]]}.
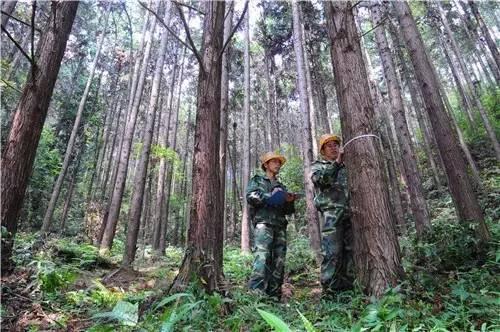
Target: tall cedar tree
{"points": [[376, 249], [200, 261], [19, 152]]}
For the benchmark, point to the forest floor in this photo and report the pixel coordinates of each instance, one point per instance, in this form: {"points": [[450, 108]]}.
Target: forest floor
{"points": [[64, 285]]}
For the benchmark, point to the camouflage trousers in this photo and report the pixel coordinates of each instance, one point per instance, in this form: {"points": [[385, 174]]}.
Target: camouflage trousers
{"points": [[269, 263], [336, 241]]}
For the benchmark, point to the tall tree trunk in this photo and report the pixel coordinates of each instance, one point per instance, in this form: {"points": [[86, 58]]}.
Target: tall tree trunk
{"points": [[184, 192], [472, 92], [486, 33], [20, 149], [47, 219], [173, 145], [122, 167], [245, 221], [417, 199], [141, 175], [271, 133], [465, 200], [464, 101], [307, 146], [387, 145], [69, 193], [199, 261], [226, 66], [158, 216], [376, 250]]}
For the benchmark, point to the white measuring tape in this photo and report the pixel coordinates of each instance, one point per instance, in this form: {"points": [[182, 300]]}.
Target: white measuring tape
{"points": [[358, 137]]}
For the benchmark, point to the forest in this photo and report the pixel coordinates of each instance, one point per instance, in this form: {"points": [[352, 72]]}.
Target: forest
{"points": [[133, 132]]}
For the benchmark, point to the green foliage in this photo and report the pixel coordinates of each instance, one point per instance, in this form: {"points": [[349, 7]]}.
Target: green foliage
{"points": [[274, 321], [45, 168], [292, 174], [449, 246], [383, 312], [124, 312], [104, 297], [237, 265], [52, 278], [301, 263]]}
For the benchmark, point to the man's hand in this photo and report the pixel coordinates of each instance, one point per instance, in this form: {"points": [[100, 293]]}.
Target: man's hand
{"points": [[340, 156], [290, 197]]}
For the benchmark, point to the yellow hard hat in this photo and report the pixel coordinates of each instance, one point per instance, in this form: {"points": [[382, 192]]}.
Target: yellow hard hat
{"points": [[271, 155], [328, 138]]}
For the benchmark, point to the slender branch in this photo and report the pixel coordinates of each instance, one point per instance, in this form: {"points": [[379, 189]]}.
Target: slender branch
{"points": [[166, 27], [356, 4], [11, 86], [236, 27], [18, 20], [373, 28], [188, 6], [19, 47], [188, 35]]}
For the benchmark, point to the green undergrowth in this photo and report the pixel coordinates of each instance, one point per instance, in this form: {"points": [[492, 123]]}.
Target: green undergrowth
{"points": [[449, 285]]}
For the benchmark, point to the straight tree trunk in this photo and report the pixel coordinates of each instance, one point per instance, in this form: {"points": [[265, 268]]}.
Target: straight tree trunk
{"points": [[141, 175], [376, 250], [20, 149], [47, 219], [307, 146], [158, 216], [69, 194], [226, 66], [199, 262], [245, 221], [122, 167], [465, 200], [464, 101], [168, 182], [417, 199], [387, 145]]}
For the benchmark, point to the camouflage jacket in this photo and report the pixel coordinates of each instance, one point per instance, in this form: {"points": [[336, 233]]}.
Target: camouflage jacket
{"points": [[330, 185], [259, 190]]}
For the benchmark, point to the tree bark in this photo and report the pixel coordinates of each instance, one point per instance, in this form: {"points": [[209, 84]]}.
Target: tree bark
{"points": [[47, 219], [376, 250], [307, 146], [417, 199], [199, 262], [245, 221], [464, 198], [19, 152]]}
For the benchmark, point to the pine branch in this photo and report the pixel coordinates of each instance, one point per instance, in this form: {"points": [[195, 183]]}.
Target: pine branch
{"points": [[19, 20]]}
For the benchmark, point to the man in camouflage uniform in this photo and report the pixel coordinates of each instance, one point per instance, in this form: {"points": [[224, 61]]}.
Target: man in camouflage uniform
{"points": [[332, 200], [269, 203]]}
